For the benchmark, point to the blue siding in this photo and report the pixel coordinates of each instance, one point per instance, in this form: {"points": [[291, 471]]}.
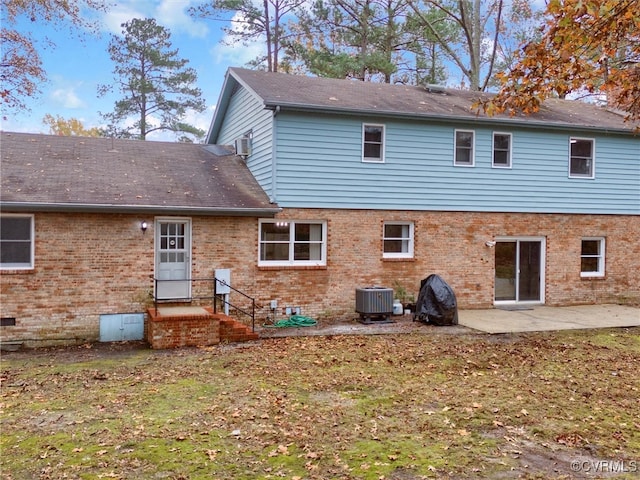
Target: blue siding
{"points": [[245, 112], [319, 166]]}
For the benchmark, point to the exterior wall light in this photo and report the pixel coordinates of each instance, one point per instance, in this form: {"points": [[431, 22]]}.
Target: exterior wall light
{"points": [[143, 226]]}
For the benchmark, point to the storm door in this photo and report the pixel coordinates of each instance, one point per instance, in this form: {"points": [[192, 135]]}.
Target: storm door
{"points": [[519, 270], [173, 259]]}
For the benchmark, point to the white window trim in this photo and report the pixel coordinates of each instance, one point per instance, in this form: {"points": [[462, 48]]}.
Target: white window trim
{"points": [[291, 262], [493, 147], [473, 148], [593, 158], [382, 147], [601, 258], [409, 253], [23, 266]]}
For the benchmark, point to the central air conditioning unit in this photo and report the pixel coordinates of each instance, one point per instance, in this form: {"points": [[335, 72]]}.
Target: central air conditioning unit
{"points": [[243, 146], [374, 302]]}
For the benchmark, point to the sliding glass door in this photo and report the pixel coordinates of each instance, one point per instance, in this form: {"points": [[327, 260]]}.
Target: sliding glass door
{"points": [[519, 270]]}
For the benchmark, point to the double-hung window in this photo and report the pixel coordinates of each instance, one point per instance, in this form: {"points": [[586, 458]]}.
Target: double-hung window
{"points": [[464, 151], [581, 158], [372, 143], [16, 241], [289, 242], [502, 150], [592, 257], [397, 240]]}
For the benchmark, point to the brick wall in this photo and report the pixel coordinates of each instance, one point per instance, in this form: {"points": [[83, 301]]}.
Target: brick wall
{"points": [[92, 264], [195, 330], [452, 244]]}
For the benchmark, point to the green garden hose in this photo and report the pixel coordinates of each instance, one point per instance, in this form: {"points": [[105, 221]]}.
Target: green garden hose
{"points": [[294, 321]]}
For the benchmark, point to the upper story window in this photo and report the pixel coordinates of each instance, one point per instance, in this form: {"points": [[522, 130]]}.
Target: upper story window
{"points": [[581, 158], [287, 242], [464, 155], [372, 143], [397, 240], [502, 150], [592, 257], [16, 241]]}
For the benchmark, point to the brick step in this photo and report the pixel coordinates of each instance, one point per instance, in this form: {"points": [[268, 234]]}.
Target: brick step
{"points": [[233, 331]]}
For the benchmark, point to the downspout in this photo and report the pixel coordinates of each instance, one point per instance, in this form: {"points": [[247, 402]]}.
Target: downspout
{"points": [[274, 158]]}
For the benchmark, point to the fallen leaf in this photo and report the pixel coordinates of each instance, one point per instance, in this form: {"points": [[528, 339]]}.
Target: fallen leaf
{"points": [[211, 454]]}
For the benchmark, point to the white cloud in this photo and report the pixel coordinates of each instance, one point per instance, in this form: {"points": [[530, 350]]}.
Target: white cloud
{"points": [[120, 14], [66, 98], [200, 120], [172, 14], [236, 55], [230, 51]]}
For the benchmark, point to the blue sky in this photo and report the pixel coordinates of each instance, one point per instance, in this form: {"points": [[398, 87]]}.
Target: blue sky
{"points": [[80, 62]]}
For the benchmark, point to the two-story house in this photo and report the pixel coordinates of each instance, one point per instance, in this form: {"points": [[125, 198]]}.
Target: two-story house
{"points": [[337, 185], [385, 184]]}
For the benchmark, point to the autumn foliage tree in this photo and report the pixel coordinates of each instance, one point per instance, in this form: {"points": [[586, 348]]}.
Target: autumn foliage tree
{"points": [[69, 127], [589, 47], [21, 70]]}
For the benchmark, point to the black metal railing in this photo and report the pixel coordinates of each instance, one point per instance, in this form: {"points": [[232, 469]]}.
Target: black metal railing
{"points": [[251, 314], [208, 293]]}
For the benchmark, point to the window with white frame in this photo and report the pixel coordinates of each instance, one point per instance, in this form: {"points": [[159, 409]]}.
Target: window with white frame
{"points": [[592, 257], [397, 240], [16, 241], [372, 143], [289, 242], [502, 150], [581, 157], [464, 154]]}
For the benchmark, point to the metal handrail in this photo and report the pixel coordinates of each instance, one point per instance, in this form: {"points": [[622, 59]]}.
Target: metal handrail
{"points": [[253, 301], [214, 297]]}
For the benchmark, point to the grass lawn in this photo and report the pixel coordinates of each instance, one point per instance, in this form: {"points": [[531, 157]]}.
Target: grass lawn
{"points": [[537, 406]]}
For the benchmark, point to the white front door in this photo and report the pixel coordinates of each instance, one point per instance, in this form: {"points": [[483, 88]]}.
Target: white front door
{"points": [[173, 259]]}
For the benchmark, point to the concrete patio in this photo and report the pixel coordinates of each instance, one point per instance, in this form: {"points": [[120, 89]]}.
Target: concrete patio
{"points": [[493, 321], [542, 318]]}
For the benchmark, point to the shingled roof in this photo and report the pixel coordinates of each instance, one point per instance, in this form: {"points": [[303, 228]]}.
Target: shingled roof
{"points": [[305, 93], [58, 173]]}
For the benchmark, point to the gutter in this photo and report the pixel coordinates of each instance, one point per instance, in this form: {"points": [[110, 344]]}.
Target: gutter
{"points": [[106, 208], [444, 118]]}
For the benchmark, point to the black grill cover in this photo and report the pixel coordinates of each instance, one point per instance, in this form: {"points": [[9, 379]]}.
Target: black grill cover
{"points": [[436, 302]]}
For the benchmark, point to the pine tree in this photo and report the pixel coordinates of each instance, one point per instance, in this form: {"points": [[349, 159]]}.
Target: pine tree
{"points": [[157, 87]]}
